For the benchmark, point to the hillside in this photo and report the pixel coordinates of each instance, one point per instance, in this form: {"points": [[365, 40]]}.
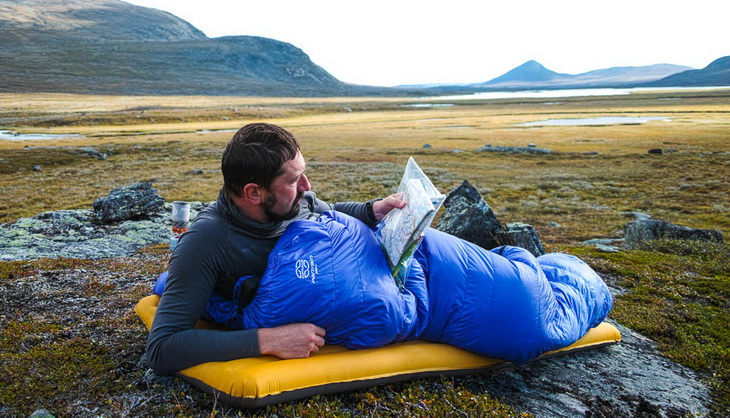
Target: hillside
{"points": [[112, 47], [715, 74], [53, 23]]}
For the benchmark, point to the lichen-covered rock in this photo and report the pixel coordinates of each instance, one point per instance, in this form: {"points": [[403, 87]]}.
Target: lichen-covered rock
{"points": [[522, 235], [642, 230], [73, 233], [129, 202], [628, 379], [465, 220], [469, 217]]}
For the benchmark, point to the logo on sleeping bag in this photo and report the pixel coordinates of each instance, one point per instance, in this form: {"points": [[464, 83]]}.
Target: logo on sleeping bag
{"points": [[306, 270]]}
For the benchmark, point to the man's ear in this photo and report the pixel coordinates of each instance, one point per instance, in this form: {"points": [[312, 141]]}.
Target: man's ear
{"points": [[252, 193]]}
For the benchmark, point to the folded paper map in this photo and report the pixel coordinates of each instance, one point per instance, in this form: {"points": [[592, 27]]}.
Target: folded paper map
{"points": [[403, 229]]}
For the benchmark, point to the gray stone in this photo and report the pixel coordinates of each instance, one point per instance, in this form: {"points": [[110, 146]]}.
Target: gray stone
{"points": [[469, 217], [607, 248], [41, 413], [130, 202], [521, 235], [628, 379], [515, 150], [636, 215], [467, 221], [92, 152], [642, 230], [72, 233]]}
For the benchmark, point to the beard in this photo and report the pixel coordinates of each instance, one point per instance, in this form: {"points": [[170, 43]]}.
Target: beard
{"points": [[270, 203]]}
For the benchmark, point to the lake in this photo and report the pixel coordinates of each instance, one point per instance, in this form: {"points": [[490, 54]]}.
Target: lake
{"points": [[15, 136], [529, 94]]}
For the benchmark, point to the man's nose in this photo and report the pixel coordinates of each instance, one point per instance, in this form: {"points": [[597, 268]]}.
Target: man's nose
{"points": [[304, 185]]}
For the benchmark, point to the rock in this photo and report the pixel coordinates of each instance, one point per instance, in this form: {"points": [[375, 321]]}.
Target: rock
{"points": [[41, 413], [130, 202], [469, 217], [467, 221], [642, 230], [515, 150], [73, 233], [607, 248], [636, 215], [196, 171], [628, 379], [37, 167], [94, 153], [521, 235]]}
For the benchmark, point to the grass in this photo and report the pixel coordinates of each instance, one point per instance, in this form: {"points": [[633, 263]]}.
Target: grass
{"points": [[356, 149], [677, 293]]}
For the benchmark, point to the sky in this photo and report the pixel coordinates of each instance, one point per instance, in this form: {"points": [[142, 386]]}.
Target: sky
{"points": [[396, 42]]}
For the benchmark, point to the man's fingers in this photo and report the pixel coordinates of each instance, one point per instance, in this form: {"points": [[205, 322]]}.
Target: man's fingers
{"points": [[319, 331]]}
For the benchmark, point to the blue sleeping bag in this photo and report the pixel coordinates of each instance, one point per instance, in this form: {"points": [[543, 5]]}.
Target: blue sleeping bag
{"points": [[503, 303], [506, 303], [332, 273]]}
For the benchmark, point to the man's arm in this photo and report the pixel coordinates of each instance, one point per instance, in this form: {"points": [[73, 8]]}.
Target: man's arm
{"points": [[174, 344], [373, 211]]}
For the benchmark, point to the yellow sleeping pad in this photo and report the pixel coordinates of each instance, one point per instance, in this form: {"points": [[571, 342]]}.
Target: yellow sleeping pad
{"points": [[258, 381]]}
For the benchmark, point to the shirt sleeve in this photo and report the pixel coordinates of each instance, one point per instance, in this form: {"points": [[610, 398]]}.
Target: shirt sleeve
{"points": [[360, 210], [174, 344]]}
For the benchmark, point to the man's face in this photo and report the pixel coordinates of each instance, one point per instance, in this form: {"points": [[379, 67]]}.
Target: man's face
{"points": [[281, 200]]}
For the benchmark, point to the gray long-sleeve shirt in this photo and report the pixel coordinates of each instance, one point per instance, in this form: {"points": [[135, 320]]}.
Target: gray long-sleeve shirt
{"points": [[221, 245]]}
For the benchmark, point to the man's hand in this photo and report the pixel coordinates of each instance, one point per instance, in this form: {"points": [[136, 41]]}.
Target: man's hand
{"points": [[291, 341], [382, 207]]}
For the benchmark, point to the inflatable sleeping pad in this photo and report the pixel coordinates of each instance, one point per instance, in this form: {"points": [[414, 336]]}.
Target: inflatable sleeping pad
{"points": [[259, 381]]}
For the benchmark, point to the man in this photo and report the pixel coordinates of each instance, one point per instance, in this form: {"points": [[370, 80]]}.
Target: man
{"points": [[265, 189]]}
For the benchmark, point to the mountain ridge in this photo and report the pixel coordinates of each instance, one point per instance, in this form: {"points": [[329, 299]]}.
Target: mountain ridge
{"points": [[113, 47], [532, 74]]}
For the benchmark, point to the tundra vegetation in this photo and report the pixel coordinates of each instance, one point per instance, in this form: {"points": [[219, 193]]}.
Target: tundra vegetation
{"points": [[87, 360]]}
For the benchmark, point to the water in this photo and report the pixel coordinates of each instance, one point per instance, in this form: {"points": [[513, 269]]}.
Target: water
{"points": [[15, 136], [602, 120], [528, 94]]}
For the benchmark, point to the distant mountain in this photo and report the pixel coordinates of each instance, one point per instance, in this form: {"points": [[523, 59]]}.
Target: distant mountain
{"points": [[532, 75], [108, 46], [528, 73], [715, 74]]}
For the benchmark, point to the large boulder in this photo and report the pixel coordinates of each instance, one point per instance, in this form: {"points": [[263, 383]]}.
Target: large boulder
{"points": [[469, 217], [125, 203], [521, 235], [642, 230]]}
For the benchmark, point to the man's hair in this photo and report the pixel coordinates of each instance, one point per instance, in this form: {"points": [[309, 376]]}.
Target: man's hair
{"points": [[256, 154]]}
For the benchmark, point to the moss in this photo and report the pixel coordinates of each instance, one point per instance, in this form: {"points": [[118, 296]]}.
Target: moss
{"points": [[58, 371], [423, 398], [679, 295]]}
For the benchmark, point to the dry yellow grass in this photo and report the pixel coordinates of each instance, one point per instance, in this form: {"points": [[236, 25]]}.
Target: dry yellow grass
{"points": [[356, 149]]}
